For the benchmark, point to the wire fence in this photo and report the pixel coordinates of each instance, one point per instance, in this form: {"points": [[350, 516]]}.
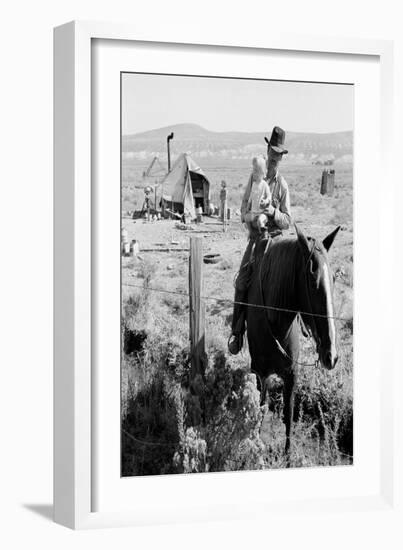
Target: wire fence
{"points": [[233, 302]]}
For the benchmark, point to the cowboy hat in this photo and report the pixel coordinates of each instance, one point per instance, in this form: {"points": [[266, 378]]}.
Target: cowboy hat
{"points": [[277, 140]]}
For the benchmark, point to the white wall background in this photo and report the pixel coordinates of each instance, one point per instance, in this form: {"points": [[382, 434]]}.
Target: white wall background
{"points": [[26, 257]]}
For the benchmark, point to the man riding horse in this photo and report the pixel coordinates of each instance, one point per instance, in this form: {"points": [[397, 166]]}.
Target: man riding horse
{"points": [[266, 212]]}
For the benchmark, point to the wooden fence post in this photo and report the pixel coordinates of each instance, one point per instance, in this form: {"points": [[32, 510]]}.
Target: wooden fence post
{"points": [[196, 308]]}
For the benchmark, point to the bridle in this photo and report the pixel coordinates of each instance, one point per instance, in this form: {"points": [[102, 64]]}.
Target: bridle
{"points": [[308, 296], [310, 312]]}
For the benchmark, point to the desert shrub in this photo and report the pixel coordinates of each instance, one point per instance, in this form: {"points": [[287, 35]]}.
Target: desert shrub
{"points": [[345, 274], [170, 425], [234, 417], [133, 340], [149, 430], [146, 271], [324, 402], [133, 333], [152, 402], [134, 324], [135, 308], [229, 414], [176, 303], [192, 455], [349, 275], [137, 311], [133, 304]]}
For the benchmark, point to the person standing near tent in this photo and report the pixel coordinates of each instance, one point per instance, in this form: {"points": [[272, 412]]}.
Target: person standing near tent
{"points": [[147, 204], [266, 212]]}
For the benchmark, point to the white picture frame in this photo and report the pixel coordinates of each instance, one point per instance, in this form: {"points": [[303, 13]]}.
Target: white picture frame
{"points": [[74, 393]]}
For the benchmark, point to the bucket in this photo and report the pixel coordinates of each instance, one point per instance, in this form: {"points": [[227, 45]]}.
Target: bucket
{"points": [[134, 248], [124, 241]]}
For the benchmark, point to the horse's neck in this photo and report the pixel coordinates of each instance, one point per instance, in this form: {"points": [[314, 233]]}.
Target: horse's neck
{"points": [[283, 321], [284, 293]]}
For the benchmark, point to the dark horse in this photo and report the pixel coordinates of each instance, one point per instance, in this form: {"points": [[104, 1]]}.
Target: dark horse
{"points": [[293, 274]]}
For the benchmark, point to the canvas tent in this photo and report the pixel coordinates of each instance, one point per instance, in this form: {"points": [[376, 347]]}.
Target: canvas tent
{"points": [[185, 188]]}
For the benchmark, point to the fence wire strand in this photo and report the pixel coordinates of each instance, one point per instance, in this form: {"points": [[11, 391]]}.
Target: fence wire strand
{"points": [[233, 302]]}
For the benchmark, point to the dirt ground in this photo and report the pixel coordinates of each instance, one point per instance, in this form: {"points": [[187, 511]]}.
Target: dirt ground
{"points": [[165, 246], [171, 265]]}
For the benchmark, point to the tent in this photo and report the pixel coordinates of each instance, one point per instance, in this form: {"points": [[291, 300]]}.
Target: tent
{"points": [[185, 187]]}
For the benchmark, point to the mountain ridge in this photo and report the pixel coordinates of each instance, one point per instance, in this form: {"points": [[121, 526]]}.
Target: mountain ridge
{"points": [[202, 142], [186, 127]]}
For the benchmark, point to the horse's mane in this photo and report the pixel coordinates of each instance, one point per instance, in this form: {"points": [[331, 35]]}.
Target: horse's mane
{"points": [[279, 269]]}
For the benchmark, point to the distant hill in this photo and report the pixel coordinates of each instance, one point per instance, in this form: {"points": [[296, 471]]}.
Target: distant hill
{"points": [[201, 142]]}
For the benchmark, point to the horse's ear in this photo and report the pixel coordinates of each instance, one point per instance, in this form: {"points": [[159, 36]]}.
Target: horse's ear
{"points": [[328, 241], [303, 241]]}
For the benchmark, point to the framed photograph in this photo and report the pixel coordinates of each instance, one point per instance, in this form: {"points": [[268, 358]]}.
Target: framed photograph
{"points": [[219, 240]]}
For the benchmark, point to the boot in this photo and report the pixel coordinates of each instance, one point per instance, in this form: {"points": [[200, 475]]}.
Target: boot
{"points": [[235, 343]]}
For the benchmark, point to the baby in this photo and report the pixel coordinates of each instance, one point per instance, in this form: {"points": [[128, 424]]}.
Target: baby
{"points": [[257, 197]]}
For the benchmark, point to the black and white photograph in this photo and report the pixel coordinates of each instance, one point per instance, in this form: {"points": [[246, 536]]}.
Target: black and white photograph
{"points": [[236, 274]]}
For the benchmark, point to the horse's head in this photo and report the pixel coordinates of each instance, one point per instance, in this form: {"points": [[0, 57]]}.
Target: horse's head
{"points": [[317, 293]]}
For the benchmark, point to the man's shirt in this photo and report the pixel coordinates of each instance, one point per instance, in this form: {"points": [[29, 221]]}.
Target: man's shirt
{"points": [[280, 199], [281, 202]]}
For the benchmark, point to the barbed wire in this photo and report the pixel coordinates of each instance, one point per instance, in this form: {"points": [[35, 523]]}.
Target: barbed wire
{"points": [[233, 302], [148, 443]]}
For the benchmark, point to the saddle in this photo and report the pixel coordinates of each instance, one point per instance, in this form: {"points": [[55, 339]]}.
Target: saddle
{"points": [[262, 242]]}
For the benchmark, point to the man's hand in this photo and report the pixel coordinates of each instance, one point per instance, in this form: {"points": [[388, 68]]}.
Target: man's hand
{"points": [[261, 221], [270, 210]]}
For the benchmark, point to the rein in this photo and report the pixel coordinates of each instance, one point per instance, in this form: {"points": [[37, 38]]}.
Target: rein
{"points": [[276, 340], [315, 330]]}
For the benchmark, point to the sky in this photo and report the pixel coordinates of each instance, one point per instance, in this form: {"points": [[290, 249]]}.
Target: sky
{"points": [[221, 104]]}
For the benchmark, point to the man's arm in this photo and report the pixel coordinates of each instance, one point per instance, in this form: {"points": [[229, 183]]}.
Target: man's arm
{"points": [[281, 213]]}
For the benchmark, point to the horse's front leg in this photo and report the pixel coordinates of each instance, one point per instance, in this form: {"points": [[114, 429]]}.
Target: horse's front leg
{"points": [[263, 391], [261, 382], [288, 392]]}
